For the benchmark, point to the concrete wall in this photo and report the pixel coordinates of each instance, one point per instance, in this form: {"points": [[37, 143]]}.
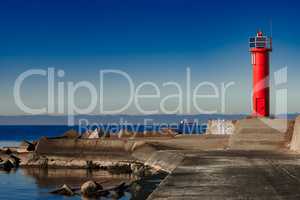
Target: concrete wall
{"points": [[262, 124], [158, 159], [75, 152], [263, 134], [295, 142], [82, 146]]}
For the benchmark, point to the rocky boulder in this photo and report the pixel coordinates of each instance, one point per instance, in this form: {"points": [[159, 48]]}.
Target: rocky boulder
{"points": [[6, 165], [64, 190], [14, 160], [71, 134], [90, 188]]}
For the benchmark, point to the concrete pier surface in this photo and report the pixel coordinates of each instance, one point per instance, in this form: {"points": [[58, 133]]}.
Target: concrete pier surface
{"points": [[232, 175], [257, 163]]}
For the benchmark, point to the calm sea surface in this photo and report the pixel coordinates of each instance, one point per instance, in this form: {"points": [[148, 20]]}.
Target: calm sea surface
{"points": [[27, 132], [32, 184]]}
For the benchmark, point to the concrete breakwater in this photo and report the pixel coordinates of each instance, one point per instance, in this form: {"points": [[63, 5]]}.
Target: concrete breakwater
{"points": [[249, 134], [203, 166], [99, 153]]}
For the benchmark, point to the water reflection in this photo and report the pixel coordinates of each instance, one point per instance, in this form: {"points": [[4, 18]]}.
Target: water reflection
{"points": [[51, 178], [35, 183]]}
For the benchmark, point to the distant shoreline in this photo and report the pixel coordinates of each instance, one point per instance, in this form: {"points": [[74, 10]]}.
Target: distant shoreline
{"points": [[105, 119]]}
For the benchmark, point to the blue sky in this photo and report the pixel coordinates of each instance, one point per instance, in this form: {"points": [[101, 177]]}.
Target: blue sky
{"points": [[149, 40]]}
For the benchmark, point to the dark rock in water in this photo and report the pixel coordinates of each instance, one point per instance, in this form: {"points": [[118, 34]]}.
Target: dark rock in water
{"points": [[14, 160], [102, 193], [90, 188], [29, 146], [118, 191], [71, 134], [9, 162], [137, 169], [64, 190], [120, 169], [140, 170], [8, 151], [7, 165], [99, 186]]}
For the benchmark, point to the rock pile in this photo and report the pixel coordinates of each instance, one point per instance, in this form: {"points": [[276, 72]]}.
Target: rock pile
{"points": [[71, 134], [92, 189], [136, 169], [28, 146], [9, 161]]}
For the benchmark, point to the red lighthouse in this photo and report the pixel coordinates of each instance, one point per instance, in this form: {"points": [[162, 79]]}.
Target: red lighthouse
{"points": [[260, 46]]}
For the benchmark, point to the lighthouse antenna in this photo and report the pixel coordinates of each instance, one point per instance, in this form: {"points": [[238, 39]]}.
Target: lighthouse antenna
{"points": [[271, 28]]}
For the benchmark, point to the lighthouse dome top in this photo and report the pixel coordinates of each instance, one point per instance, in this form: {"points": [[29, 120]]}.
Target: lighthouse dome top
{"points": [[260, 41], [259, 34]]}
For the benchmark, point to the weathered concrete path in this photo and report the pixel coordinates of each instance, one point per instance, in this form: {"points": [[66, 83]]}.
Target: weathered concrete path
{"points": [[232, 175]]}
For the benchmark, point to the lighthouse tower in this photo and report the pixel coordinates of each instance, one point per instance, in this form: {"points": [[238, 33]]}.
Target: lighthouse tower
{"points": [[260, 46]]}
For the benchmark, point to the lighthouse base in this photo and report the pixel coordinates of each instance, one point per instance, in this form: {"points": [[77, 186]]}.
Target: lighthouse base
{"points": [[259, 133]]}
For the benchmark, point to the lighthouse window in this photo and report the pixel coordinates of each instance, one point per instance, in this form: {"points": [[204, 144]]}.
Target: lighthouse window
{"points": [[260, 44], [257, 42], [260, 39], [252, 42], [252, 45]]}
